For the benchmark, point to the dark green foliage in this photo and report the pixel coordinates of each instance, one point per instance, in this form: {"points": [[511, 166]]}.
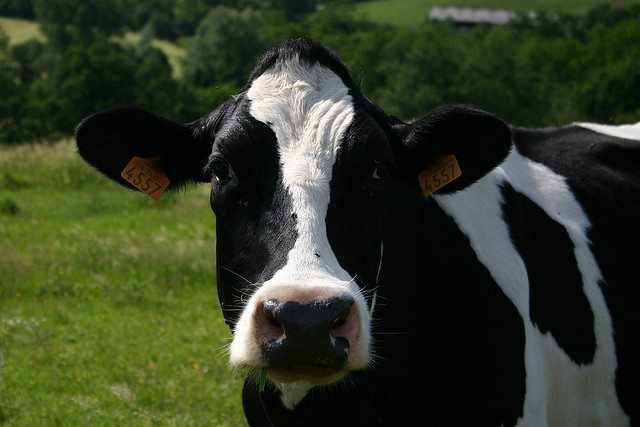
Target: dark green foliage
{"points": [[170, 19], [295, 8], [32, 60], [541, 71], [227, 43], [13, 98], [104, 75], [17, 9], [90, 77], [48, 95], [427, 71], [612, 88], [69, 22]]}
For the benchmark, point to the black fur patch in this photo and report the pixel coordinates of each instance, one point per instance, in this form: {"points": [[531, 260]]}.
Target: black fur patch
{"points": [[603, 173], [254, 227], [557, 301], [450, 342]]}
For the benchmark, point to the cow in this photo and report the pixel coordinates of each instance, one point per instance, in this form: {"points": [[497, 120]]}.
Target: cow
{"points": [[454, 270]]}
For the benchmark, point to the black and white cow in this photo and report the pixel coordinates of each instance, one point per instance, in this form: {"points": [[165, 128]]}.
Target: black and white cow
{"points": [[509, 296]]}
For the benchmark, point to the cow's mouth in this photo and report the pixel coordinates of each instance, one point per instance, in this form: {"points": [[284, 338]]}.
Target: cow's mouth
{"points": [[312, 374]]}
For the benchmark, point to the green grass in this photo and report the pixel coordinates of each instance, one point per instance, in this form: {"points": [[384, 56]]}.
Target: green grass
{"points": [[412, 12], [174, 53], [108, 306], [20, 30]]}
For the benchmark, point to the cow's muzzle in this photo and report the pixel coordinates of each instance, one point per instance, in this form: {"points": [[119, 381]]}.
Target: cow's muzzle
{"points": [[307, 339]]}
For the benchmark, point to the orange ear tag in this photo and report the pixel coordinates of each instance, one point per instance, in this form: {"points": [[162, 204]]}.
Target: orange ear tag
{"points": [[444, 170], [144, 174]]}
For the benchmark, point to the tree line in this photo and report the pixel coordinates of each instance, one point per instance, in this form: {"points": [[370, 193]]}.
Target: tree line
{"points": [[537, 71]]}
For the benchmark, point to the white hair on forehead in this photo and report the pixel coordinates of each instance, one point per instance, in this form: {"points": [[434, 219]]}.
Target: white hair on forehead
{"points": [[309, 109]]}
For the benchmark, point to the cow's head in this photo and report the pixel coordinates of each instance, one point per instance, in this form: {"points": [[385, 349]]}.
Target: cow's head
{"points": [[302, 167]]}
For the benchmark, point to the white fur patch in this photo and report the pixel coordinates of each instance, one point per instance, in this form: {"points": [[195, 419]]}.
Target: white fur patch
{"points": [[559, 392], [293, 393], [309, 109], [623, 131]]}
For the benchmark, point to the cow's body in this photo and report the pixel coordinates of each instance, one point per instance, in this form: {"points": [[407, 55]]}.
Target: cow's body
{"points": [[506, 297], [529, 234]]}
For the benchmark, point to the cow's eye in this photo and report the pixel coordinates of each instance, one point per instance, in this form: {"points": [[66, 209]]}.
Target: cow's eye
{"points": [[221, 171], [381, 173]]}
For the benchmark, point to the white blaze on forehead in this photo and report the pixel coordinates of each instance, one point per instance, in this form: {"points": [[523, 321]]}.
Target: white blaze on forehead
{"points": [[309, 108]]}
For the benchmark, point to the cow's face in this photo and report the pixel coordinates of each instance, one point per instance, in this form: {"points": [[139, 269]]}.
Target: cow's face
{"points": [[293, 172], [301, 166]]}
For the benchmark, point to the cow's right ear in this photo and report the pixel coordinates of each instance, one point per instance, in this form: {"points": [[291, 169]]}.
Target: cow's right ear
{"points": [[426, 148], [109, 140]]}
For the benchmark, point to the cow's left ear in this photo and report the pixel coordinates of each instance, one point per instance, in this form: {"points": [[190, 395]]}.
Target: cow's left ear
{"points": [[479, 141], [109, 140]]}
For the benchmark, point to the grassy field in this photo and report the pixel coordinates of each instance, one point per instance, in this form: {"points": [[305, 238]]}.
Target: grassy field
{"points": [[412, 12], [20, 30], [108, 306]]}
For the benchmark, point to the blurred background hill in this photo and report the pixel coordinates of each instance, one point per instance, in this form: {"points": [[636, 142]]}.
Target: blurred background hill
{"points": [[553, 62]]}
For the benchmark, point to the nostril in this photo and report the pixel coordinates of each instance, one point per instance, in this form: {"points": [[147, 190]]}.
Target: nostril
{"points": [[272, 320], [268, 325], [345, 328], [269, 309]]}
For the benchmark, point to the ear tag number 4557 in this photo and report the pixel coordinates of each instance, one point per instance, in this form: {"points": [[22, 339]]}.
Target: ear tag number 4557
{"points": [[144, 174], [440, 173]]}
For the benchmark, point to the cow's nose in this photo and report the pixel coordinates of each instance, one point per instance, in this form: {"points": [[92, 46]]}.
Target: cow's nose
{"points": [[312, 334]]}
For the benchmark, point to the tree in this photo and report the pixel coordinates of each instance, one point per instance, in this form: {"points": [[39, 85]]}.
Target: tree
{"points": [[17, 8], [295, 8], [78, 22], [33, 60], [90, 78], [11, 93], [225, 47], [157, 91], [426, 70], [612, 83]]}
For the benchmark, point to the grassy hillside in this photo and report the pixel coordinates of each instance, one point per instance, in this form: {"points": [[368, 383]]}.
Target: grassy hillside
{"points": [[412, 12], [108, 306], [20, 30]]}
